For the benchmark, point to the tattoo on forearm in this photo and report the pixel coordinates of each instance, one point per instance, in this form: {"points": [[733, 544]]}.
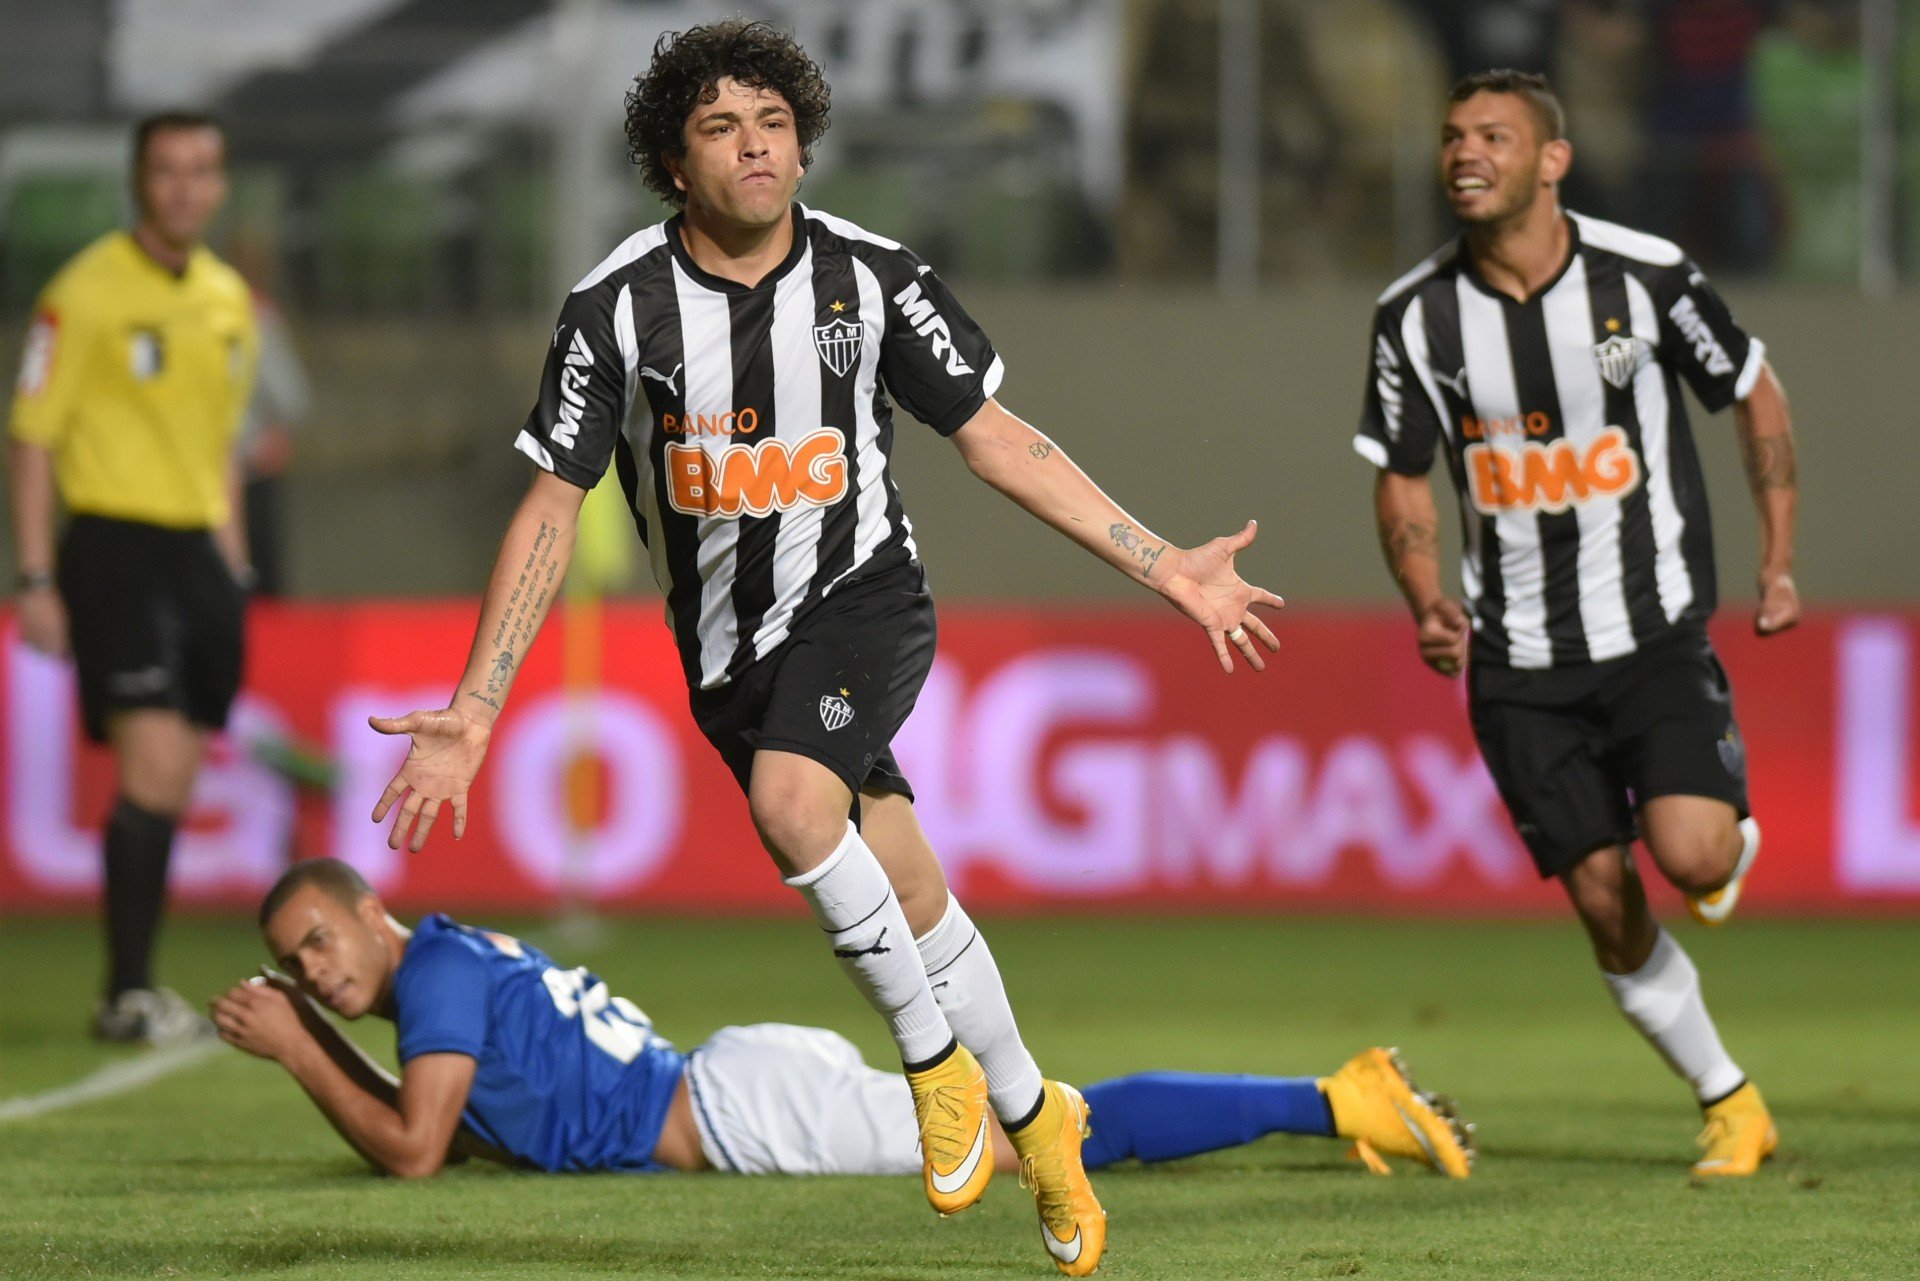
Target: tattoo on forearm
{"points": [[1770, 462], [1402, 539], [521, 619], [1041, 448], [1136, 544]]}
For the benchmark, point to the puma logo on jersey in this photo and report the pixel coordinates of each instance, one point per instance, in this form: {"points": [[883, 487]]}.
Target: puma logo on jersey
{"points": [[879, 946], [574, 372], [1457, 384], [1706, 348], [1550, 476], [931, 325], [758, 479], [648, 371]]}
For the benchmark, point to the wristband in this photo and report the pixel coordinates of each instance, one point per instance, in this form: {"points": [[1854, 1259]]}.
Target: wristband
{"points": [[33, 582]]}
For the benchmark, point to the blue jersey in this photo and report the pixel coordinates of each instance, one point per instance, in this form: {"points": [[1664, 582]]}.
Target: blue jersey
{"points": [[568, 1077]]}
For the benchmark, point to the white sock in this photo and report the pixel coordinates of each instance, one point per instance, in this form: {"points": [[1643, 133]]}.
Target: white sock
{"points": [[856, 906], [966, 983], [1662, 999]]}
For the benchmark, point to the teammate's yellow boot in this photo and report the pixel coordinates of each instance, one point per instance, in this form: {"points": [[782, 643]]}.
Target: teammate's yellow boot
{"points": [[1740, 1134], [1717, 908], [1376, 1104], [1073, 1227], [956, 1143]]}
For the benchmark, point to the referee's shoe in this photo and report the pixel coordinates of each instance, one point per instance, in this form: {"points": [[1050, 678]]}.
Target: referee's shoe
{"points": [[149, 1016]]}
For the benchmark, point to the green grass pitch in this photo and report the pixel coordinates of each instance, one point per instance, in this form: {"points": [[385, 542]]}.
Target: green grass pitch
{"points": [[225, 1170]]}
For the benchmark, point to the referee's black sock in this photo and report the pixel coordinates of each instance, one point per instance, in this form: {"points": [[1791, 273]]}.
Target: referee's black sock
{"points": [[138, 845]]}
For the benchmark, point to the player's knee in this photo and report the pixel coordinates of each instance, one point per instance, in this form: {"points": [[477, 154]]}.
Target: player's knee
{"points": [[1700, 861], [797, 826]]}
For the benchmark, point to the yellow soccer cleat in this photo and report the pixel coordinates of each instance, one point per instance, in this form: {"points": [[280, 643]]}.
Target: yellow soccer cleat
{"points": [[956, 1144], [1378, 1106], [1717, 908], [1073, 1227], [1740, 1134]]}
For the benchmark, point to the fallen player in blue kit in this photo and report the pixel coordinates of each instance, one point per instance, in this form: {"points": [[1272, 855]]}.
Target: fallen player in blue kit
{"points": [[506, 1055]]}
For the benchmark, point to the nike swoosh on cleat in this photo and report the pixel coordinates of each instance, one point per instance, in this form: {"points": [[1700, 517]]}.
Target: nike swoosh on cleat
{"points": [[1065, 1251], [948, 1184]]}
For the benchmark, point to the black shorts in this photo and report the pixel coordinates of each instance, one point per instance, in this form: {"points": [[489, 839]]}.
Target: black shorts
{"points": [[837, 689], [1575, 751], [155, 618]]}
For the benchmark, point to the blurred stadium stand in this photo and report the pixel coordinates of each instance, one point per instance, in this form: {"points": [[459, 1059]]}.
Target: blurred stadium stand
{"points": [[398, 189]]}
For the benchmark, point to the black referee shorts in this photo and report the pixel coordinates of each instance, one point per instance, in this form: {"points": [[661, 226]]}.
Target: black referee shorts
{"points": [[1574, 751], [155, 618], [837, 689]]}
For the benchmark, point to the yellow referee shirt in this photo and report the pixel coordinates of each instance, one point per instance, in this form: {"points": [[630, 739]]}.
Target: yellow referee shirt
{"points": [[136, 380]]}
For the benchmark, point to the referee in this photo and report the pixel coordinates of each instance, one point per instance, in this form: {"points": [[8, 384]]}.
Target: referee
{"points": [[1543, 354], [137, 369]]}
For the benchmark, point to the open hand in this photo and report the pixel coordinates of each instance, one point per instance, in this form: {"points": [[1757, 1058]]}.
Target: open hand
{"points": [[1202, 585], [446, 754], [1779, 604]]}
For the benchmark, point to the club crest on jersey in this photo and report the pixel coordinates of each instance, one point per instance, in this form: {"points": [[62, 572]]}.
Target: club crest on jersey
{"points": [[839, 342], [1618, 358], [835, 711]]}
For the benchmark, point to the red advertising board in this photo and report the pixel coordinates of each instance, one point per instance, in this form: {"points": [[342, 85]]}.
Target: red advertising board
{"points": [[1064, 759]]}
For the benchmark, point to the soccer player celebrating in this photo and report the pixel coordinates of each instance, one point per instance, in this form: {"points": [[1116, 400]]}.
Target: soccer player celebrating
{"points": [[731, 362], [504, 1054], [137, 370], [1545, 350]]}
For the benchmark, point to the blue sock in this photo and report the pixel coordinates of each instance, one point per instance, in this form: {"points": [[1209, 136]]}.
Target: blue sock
{"points": [[1157, 1116]]}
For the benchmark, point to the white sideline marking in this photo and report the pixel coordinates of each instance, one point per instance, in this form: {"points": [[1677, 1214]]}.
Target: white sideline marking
{"points": [[115, 1078]]}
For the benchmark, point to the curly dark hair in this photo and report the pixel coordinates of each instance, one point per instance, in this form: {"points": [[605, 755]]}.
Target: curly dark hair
{"points": [[686, 71]]}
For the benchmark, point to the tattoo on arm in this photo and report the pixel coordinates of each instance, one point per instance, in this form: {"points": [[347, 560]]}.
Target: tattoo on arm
{"points": [[1770, 462], [1402, 539], [1130, 540], [1041, 448], [521, 620]]}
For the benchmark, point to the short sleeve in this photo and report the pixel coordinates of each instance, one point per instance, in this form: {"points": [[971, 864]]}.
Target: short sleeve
{"points": [[1399, 429], [583, 391], [52, 371], [1700, 339], [442, 999], [936, 361]]}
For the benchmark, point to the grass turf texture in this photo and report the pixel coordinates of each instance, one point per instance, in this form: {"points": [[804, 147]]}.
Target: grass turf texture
{"points": [[225, 1169]]}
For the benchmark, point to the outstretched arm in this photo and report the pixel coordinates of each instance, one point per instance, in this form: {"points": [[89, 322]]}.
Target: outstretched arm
{"points": [[1410, 540], [1023, 464], [403, 1129], [448, 745], [1766, 447]]}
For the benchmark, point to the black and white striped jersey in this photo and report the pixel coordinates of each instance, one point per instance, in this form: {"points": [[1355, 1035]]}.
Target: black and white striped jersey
{"points": [[751, 427], [1584, 511]]}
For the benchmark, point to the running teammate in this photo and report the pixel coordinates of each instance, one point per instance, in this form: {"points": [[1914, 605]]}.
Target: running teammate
{"points": [[1545, 352], [137, 370], [735, 364], [505, 1054]]}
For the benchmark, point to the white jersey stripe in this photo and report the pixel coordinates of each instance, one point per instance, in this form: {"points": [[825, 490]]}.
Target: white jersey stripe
{"points": [[1413, 334], [796, 406], [1583, 409], [1671, 578], [1496, 396], [706, 336], [873, 526]]}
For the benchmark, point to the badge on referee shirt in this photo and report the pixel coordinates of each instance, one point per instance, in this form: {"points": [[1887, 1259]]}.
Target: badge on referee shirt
{"points": [[839, 343], [147, 354]]}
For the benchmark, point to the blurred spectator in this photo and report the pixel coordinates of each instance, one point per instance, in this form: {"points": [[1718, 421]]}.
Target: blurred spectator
{"points": [[1170, 219], [1478, 35], [1706, 182], [1810, 86]]}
